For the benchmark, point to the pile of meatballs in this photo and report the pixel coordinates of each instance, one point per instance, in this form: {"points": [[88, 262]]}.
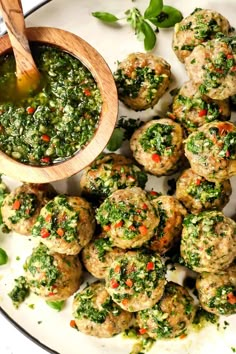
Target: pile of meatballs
{"points": [[118, 231]]}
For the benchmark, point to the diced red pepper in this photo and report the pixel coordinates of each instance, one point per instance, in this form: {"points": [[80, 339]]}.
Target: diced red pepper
{"points": [[44, 233], [45, 138], [171, 115], [144, 206], [150, 266], [125, 302], [198, 181], [227, 154], [129, 283], [48, 218], [184, 335], [230, 56], [143, 230], [87, 92], [119, 224], [60, 232], [114, 284], [132, 228], [153, 193], [202, 113], [106, 227], [156, 157], [231, 298], [46, 159], [142, 330], [73, 324], [233, 68], [51, 293], [131, 178], [16, 205], [30, 110], [117, 268]]}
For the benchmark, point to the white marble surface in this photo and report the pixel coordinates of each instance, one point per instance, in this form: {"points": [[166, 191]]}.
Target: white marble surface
{"points": [[11, 340]]}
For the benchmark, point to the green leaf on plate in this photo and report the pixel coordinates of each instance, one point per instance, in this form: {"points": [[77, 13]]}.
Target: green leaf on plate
{"points": [[149, 36], [56, 305], [168, 17], [153, 9], [3, 257], [105, 16], [116, 140]]}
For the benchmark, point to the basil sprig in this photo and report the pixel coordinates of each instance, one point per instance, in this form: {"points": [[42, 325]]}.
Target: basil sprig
{"points": [[157, 15]]}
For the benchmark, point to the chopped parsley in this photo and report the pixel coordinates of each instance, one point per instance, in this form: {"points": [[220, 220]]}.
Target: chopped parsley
{"points": [[20, 291]]}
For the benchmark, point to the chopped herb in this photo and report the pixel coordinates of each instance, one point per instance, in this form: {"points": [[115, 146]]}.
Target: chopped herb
{"points": [[56, 305], [20, 291]]}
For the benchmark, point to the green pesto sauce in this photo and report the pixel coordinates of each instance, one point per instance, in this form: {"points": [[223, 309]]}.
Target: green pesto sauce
{"points": [[143, 280], [87, 310], [55, 123], [60, 215], [131, 86], [28, 205], [202, 318], [158, 139], [42, 262], [20, 291]]}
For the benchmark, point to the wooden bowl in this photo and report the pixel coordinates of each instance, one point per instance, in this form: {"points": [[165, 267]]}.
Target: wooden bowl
{"points": [[79, 48]]}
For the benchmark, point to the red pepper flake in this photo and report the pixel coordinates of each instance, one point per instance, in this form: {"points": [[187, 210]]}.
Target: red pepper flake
{"points": [[60, 232], [150, 266], [45, 159], [202, 113], [117, 268], [73, 324], [143, 230], [16, 205], [129, 283], [231, 298], [119, 224], [30, 110], [114, 284], [45, 138], [142, 330], [87, 92], [198, 181], [107, 227], [227, 154], [156, 157], [125, 302], [44, 233]]}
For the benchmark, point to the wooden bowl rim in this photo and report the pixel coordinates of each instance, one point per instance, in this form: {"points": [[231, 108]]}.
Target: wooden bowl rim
{"points": [[101, 72]]}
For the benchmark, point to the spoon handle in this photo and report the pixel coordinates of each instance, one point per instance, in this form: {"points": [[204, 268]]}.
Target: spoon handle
{"points": [[14, 19]]}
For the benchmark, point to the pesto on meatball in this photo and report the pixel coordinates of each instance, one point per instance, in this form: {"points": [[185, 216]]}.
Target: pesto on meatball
{"points": [[192, 109], [197, 194], [22, 206], [211, 151], [128, 217], [109, 173], [99, 254], [141, 80], [217, 292], [171, 316], [168, 232], [52, 276], [208, 242], [97, 315], [158, 146], [65, 224], [136, 280], [200, 26]]}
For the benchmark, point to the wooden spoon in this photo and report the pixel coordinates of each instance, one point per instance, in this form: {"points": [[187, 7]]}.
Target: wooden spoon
{"points": [[28, 76]]}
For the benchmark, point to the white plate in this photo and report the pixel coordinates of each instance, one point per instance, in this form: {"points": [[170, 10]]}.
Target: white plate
{"points": [[114, 43]]}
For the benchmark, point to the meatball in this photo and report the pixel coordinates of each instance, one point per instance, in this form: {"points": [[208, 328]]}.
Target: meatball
{"points": [[65, 224], [158, 146], [197, 194], [141, 80], [212, 67], [211, 151], [128, 217], [192, 109], [109, 173], [171, 316], [200, 26], [136, 280], [217, 292], [208, 242], [99, 254], [97, 315], [22, 206], [52, 276], [169, 229]]}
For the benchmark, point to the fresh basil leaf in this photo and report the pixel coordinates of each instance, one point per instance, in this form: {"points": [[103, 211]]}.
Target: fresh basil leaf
{"points": [[153, 9], [105, 16], [133, 17], [149, 36], [168, 17], [56, 305], [3, 257], [116, 140]]}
